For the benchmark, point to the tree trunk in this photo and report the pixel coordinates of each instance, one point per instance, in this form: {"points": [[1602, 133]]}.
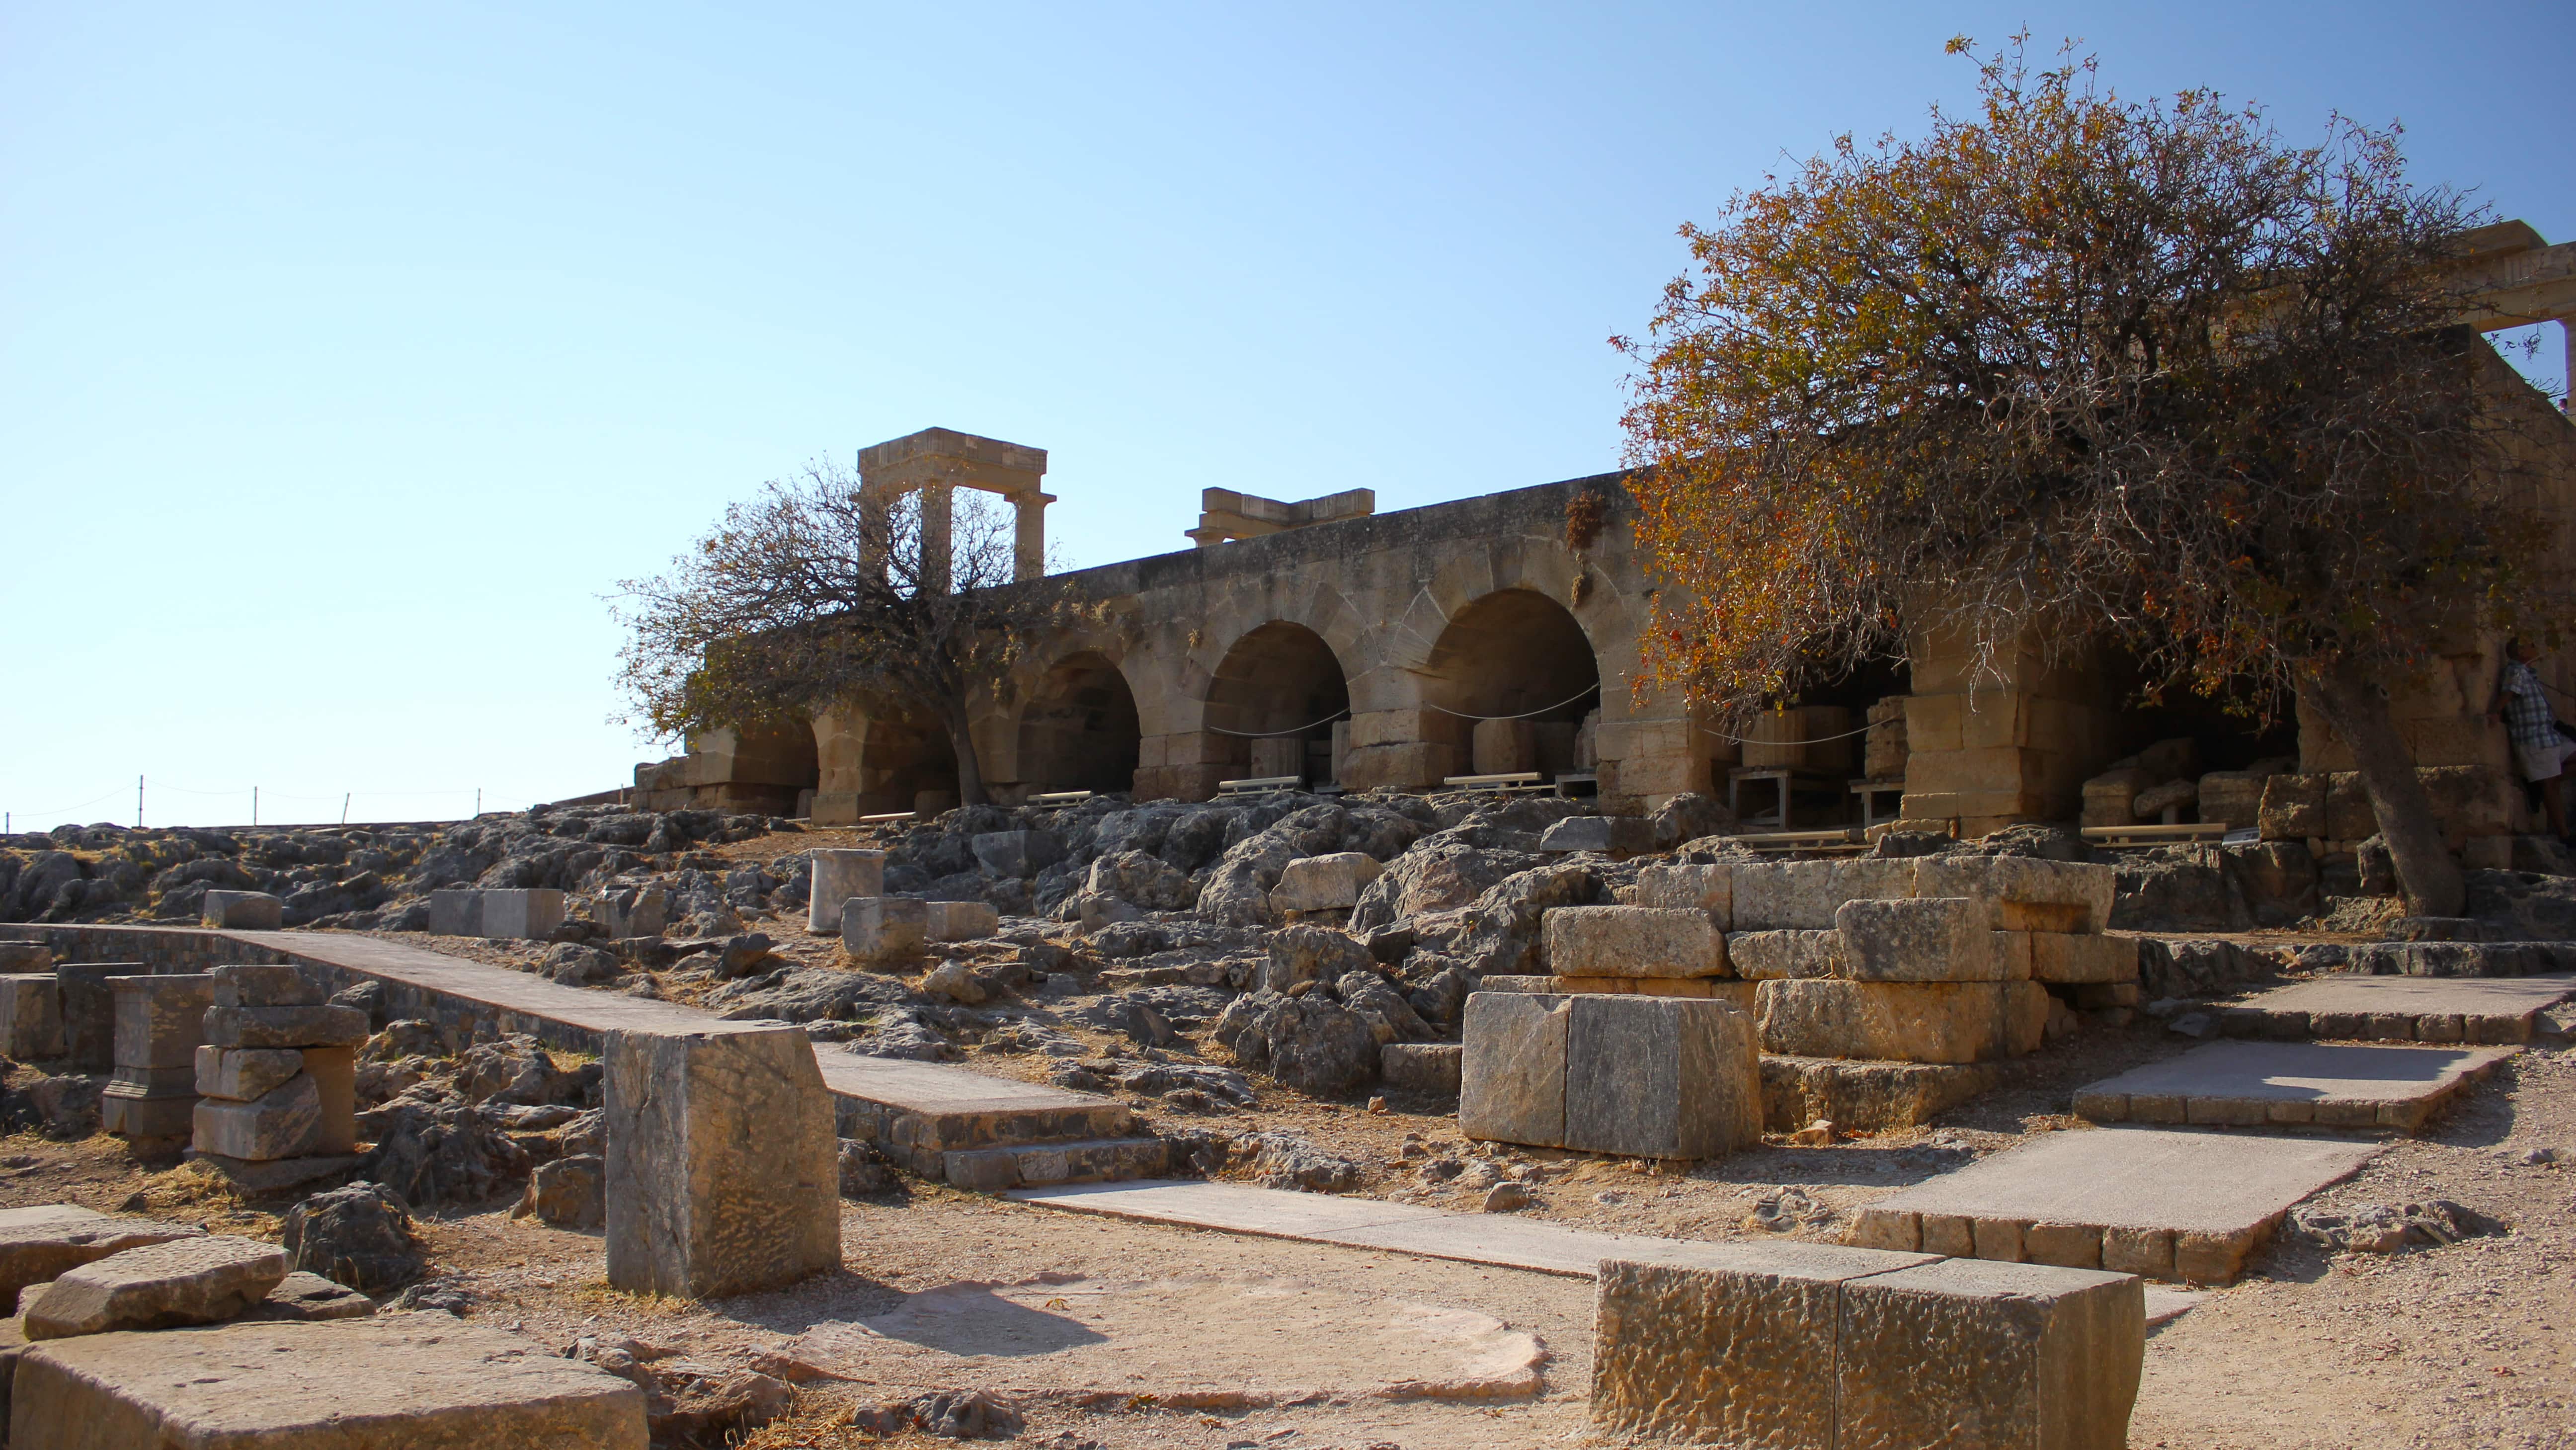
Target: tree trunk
{"points": [[2351, 702], [961, 739]]}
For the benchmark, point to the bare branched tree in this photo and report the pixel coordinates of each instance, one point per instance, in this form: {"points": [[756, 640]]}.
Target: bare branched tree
{"points": [[810, 596], [2076, 370]]}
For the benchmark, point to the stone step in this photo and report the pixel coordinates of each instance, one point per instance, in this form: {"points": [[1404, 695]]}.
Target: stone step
{"points": [[2303, 1084], [2340, 1006], [2460, 958], [1039, 1165]]}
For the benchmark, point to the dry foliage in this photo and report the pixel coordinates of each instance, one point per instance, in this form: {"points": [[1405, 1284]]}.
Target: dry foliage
{"points": [[2075, 369]]}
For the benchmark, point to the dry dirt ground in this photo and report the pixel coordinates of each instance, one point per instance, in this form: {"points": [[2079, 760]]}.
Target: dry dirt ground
{"points": [[2465, 1345]]}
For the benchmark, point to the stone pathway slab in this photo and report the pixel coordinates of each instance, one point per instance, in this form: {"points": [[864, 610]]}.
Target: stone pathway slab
{"points": [[2173, 1205], [2326, 1085], [2401, 1009]]}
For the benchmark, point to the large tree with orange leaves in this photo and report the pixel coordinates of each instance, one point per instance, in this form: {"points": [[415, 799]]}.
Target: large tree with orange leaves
{"points": [[2074, 369]]}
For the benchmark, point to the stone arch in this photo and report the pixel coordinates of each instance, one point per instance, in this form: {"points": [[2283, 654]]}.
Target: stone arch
{"points": [[1516, 653], [1273, 702], [1078, 727]]}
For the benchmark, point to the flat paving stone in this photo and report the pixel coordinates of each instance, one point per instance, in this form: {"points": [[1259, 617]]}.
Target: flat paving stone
{"points": [[2407, 1009], [1503, 1240], [2165, 1204], [2326, 1085]]}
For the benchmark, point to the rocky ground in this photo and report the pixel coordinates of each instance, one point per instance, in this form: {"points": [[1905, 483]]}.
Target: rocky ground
{"points": [[1144, 953]]}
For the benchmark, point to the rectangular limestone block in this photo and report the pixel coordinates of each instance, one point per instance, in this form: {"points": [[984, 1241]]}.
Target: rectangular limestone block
{"points": [[522, 914], [1924, 939], [1511, 1077], [1893, 1021], [1324, 883], [1709, 888], [39, 1242], [31, 1017], [241, 911], [1620, 836], [1969, 1352], [958, 920], [160, 1020], [280, 985], [1631, 941], [25, 956], [324, 1026], [2024, 893], [2294, 807], [1661, 1077], [244, 1073], [2057, 956], [1738, 995], [334, 1071], [1737, 1348], [456, 912], [284, 1122], [388, 1382], [1430, 1067], [722, 1173], [1803, 895], [89, 1011], [1772, 955], [838, 876], [626, 910], [883, 928]]}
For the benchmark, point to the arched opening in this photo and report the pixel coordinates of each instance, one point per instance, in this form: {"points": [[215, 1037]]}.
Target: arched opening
{"points": [[1517, 653], [1281, 704], [1080, 731]]}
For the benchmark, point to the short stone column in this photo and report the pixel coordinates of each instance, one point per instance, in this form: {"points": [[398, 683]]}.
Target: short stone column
{"points": [[838, 876], [278, 1073], [159, 1022], [31, 1016], [723, 1172]]}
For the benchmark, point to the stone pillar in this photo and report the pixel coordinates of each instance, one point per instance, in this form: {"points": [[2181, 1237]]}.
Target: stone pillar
{"points": [[31, 1017], [1028, 517], [278, 1070], [159, 1022], [876, 507], [838, 876], [89, 1011], [936, 540], [722, 1167]]}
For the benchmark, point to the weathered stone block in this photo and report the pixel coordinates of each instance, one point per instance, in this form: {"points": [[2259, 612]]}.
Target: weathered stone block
{"points": [[1661, 1077], [2065, 957], [1739, 1353], [1431, 1067], [1324, 883], [392, 1382], [160, 1020], [958, 920], [324, 1026], [25, 956], [244, 1073], [334, 1071], [241, 911], [186, 1281], [2025, 893], [1609, 835], [522, 914], [284, 1122], [2232, 797], [1501, 747], [281, 985], [41, 1242], [31, 1017], [1709, 888], [1925, 939], [723, 1172], [1631, 941], [883, 928], [1773, 955], [306, 1297], [631, 910], [840, 875], [456, 912], [1894, 1021], [1012, 855], [1803, 895], [1970, 1352], [1512, 1070], [89, 1011]]}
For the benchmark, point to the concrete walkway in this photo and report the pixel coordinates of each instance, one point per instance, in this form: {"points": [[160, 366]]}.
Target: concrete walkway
{"points": [[1508, 1241]]}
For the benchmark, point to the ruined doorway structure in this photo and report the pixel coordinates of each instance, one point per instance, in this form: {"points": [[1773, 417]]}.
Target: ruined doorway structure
{"points": [[1515, 653], [1280, 703], [1079, 729]]}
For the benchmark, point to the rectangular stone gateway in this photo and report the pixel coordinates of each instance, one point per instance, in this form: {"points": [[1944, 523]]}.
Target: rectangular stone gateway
{"points": [[391, 1382], [1631, 941], [722, 1172], [1803, 1347], [838, 876]]}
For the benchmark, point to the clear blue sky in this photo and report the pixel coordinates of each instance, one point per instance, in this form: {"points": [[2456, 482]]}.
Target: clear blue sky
{"points": [[349, 354]]}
